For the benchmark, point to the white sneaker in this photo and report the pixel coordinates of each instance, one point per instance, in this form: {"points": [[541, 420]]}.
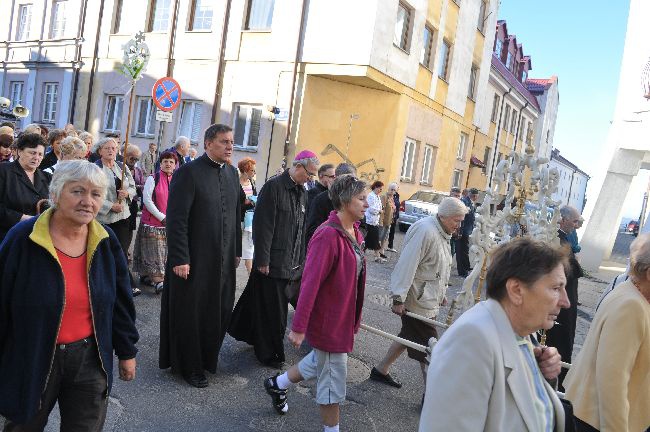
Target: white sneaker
{"points": [[391, 250]]}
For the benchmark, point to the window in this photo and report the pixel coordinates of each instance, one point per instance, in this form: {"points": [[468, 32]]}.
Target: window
{"points": [[462, 145], [50, 91], [510, 61], [427, 164], [522, 125], [402, 26], [529, 134], [480, 24], [513, 123], [24, 22], [444, 60], [495, 108], [57, 30], [113, 114], [201, 17], [118, 16], [457, 178], [408, 161], [259, 15], [486, 159], [427, 47], [506, 120], [145, 117], [498, 47], [473, 75], [16, 92], [160, 13], [524, 76], [190, 124], [247, 125]]}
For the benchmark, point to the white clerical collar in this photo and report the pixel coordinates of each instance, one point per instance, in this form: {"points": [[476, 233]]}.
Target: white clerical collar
{"points": [[221, 164]]}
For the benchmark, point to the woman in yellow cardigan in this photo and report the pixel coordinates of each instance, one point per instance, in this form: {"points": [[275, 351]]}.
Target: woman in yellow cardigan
{"points": [[609, 383]]}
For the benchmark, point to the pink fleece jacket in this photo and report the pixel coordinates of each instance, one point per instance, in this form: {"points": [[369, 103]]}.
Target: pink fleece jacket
{"points": [[330, 301]]}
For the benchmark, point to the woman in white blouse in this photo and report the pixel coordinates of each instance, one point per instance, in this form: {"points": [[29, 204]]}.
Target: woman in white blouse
{"points": [[373, 215], [150, 251]]}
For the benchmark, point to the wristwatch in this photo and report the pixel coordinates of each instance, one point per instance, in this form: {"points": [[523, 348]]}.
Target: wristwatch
{"points": [[397, 300]]}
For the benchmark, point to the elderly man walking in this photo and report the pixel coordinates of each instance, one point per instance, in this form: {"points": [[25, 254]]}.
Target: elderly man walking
{"points": [[204, 247], [260, 317], [562, 334], [418, 283]]}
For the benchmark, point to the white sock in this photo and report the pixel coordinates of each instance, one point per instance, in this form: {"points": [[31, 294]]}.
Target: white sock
{"points": [[283, 381], [331, 428]]}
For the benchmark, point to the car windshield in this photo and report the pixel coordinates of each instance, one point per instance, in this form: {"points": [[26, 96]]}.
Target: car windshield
{"points": [[430, 197]]}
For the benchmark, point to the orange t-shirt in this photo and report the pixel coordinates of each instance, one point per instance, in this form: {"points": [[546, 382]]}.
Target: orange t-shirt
{"points": [[77, 320]]}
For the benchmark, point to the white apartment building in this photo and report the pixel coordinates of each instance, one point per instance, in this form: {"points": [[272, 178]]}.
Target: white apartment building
{"points": [[572, 188]]}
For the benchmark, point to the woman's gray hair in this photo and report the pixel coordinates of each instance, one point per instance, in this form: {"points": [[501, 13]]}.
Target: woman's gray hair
{"points": [[640, 256], [74, 171], [99, 144], [450, 206], [84, 135], [344, 189], [393, 186], [70, 145]]}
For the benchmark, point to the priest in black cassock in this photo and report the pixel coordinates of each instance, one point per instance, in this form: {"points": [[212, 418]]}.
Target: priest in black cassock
{"points": [[204, 246]]}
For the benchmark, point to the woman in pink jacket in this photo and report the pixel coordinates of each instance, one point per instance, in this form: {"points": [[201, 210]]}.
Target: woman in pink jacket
{"points": [[330, 303]]}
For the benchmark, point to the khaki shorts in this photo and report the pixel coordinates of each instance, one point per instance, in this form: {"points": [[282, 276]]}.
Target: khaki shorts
{"points": [[330, 371]]}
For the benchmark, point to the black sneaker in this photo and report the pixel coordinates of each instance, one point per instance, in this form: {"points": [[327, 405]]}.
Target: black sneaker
{"points": [[375, 375], [278, 395]]}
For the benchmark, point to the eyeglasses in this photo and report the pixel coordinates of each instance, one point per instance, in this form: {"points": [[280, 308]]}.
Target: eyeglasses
{"points": [[310, 174]]}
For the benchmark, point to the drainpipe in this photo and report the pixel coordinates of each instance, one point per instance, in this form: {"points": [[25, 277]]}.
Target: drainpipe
{"points": [[301, 36], [514, 144], [222, 63], [495, 151], [93, 66], [77, 61]]}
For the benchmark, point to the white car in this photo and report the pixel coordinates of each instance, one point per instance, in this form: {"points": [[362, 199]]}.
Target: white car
{"points": [[421, 204]]}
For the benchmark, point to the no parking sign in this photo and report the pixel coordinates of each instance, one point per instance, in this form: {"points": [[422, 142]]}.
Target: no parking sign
{"points": [[166, 94]]}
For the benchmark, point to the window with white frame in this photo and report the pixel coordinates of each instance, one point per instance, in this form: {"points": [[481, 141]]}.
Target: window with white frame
{"points": [[57, 30], [506, 120], [427, 47], [190, 123], [473, 76], [259, 14], [145, 117], [495, 108], [486, 159], [498, 47], [402, 26], [443, 67], [529, 133], [457, 178], [50, 97], [160, 14], [246, 125], [522, 126], [24, 22], [202, 13], [113, 113], [427, 164], [462, 146], [510, 61], [16, 93], [513, 123], [480, 24], [408, 161]]}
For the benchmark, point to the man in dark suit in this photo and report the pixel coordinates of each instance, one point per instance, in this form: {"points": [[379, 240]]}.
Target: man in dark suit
{"points": [[462, 241], [562, 334]]}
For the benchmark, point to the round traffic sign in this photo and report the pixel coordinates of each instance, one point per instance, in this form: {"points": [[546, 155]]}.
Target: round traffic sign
{"points": [[166, 94]]}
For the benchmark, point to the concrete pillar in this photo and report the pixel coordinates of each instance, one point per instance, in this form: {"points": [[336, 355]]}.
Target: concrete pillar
{"points": [[602, 225]]}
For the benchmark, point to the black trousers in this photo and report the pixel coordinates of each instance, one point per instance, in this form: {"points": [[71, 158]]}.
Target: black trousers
{"points": [[562, 334], [462, 255], [391, 235], [78, 383], [122, 230]]}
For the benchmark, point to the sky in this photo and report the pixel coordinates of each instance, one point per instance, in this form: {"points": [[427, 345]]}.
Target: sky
{"points": [[581, 42]]}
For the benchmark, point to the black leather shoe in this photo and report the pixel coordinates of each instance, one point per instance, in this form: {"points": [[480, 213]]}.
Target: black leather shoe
{"points": [[196, 379], [375, 375]]}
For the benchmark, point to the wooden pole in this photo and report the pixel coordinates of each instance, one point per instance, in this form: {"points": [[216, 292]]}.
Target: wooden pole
{"points": [[128, 124], [427, 320], [397, 339]]}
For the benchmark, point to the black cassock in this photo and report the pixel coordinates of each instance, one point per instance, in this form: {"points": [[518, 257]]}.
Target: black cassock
{"points": [[204, 231]]}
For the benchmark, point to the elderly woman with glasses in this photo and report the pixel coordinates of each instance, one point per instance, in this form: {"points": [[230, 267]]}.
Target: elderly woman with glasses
{"points": [[609, 383], [329, 308], [486, 372], [65, 308]]}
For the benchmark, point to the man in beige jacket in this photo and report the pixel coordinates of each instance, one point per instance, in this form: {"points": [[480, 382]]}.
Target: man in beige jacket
{"points": [[419, 282]]}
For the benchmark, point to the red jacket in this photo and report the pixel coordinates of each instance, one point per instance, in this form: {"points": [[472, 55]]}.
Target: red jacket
{"points": [[330, 302]]}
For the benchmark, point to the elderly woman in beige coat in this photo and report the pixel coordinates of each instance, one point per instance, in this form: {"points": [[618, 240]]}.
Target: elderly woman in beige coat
{"points": [[419, 282], [486, 372], [609, 383]]}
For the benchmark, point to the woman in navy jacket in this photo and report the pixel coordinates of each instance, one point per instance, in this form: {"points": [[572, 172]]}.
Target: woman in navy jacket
{"points": [[45, 302]]}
